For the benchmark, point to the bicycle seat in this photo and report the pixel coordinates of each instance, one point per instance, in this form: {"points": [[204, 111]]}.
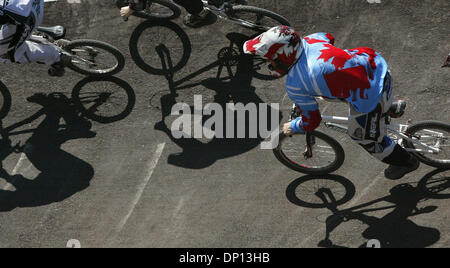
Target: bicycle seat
{"points": [[397, 109], [56, 32]]}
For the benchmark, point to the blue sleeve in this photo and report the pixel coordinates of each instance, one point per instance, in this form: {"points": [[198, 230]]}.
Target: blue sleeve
{"points": [[310, 116], [320, 38]]}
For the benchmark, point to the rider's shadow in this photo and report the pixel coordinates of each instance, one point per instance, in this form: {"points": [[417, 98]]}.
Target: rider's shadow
{"points": [[61, 173], [395, 229], [237, 89]]}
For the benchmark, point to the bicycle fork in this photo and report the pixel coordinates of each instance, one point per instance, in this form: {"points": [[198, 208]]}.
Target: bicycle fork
{"points": [[310, 142]]}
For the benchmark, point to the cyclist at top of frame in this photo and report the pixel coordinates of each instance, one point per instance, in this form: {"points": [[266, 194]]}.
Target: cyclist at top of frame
{"points": [[198, 16], [360, 77], [18, 20]]}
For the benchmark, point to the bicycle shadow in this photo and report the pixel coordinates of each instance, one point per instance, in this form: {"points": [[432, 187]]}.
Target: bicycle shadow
{"points": [[234, 87], [395, 229], [197, 154], [61, 173]]}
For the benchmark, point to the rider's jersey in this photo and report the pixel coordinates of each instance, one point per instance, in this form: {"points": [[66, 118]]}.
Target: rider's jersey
{"points": [[26, 15], [354, 75], [25, 8]]}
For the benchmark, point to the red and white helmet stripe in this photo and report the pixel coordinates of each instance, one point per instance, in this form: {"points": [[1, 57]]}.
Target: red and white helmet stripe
{"points": [[281, 42]]}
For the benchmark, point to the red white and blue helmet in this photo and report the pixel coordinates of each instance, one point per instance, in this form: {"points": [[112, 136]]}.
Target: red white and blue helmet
{"points": [[281, 44]]}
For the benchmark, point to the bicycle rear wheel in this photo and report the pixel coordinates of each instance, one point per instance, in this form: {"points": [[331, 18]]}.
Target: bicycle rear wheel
{"points": [[435, 134], [159, 10], [95, 58], [328, 155], [255, 18]]}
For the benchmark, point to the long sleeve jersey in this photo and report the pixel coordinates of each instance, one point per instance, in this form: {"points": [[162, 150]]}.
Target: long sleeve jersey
{"points": [[22, 9], [354, 75]]}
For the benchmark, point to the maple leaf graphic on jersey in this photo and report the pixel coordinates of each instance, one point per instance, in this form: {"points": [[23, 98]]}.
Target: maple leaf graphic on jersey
{"points": [[340, 56], [343, 82]]}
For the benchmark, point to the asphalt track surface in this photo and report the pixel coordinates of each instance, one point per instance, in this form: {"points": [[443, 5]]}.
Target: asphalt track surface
{"points": [[134, 186]]}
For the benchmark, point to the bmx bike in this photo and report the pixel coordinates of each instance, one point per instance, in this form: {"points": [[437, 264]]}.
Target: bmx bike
{"points": [[89, 57], [236, 11], [317, 153], [153, 33]]}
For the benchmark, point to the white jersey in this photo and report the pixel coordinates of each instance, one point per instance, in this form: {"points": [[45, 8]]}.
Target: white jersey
{"points": [[25, 8]]}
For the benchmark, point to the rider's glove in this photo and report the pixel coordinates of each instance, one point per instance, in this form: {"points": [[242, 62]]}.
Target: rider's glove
{"points": [[296, 125], [126, 12]]}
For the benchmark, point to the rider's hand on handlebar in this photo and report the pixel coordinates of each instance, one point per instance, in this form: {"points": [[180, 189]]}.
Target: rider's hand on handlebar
{"points": [[126, 12], [287, 130]]}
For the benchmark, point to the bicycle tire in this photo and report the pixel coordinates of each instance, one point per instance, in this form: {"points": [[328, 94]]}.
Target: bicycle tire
{"points": [[331, 167], [431, 125], [119, 57], [175, 11], [153, 68], [78, 100], [6, 100], [235, 10]]}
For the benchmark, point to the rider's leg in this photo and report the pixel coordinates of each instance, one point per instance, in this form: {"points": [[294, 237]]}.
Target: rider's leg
{"points": [[369, 130], [29, 51], [46, 54], [7, 34], [198, 15], [33, 52]]}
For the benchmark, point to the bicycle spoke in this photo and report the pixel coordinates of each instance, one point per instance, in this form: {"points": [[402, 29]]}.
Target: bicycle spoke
{"points": [[430, 141], [322, 154], [88, 58]]}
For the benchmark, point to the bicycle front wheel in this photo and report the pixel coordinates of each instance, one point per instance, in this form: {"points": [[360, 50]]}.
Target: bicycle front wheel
{"points": [[257, 19], [327, 154], [434, 134], [95, 58], [159, 10]]}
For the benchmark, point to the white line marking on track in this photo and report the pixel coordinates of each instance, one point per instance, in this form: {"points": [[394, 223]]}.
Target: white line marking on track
{"points": [[351, 204], [142, 186], [19, 164]]}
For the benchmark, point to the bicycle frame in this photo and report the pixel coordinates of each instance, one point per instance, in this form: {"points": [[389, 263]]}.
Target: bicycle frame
{"points": [[42, 40], [221, 12], [398, 129]]}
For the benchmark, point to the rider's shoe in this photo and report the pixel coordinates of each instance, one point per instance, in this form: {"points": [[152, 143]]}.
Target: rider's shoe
{"points": [[57, 69], [205, 17], [397, 172], [216, 3], [241, 2]]}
